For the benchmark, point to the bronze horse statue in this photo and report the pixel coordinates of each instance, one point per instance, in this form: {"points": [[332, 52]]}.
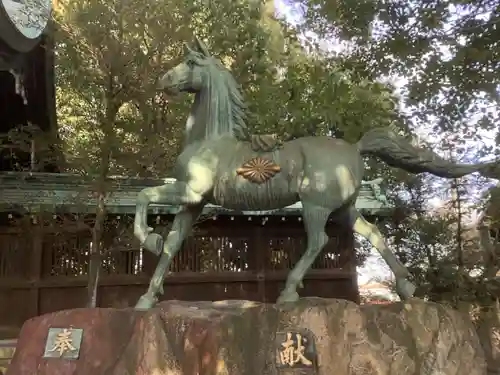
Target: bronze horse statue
{"points": [[217, 167]]}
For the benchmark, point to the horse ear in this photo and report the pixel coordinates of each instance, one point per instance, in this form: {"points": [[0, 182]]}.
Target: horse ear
{"points": [[201, 47], [187, 49]]}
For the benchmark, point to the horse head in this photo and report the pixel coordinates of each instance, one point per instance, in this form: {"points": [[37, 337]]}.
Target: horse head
{"points": [[193, 73], [218, 107]]}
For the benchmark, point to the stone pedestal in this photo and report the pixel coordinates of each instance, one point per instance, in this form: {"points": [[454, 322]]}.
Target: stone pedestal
{"points": [[314, 336]]}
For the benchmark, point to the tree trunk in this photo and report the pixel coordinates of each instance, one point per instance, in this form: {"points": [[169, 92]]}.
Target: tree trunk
{"points": [[96, 252], [100, 218]]}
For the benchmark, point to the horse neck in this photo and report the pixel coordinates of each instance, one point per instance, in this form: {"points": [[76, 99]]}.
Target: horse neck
{"points": [[194, 131], [210, 116]]}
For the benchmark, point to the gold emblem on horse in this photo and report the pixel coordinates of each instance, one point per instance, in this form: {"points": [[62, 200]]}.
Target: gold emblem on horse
{"points": [[258, 170]]}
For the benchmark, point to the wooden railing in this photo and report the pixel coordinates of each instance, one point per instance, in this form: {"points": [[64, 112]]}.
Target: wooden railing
{"points": [[7, 349]]}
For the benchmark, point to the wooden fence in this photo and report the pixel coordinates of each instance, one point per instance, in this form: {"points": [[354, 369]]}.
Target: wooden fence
{"points": [[43, 265]]}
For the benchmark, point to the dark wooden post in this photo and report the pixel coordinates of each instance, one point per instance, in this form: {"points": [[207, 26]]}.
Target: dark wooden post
{"points": [[260, 254], [36, 261], [348, 261]]}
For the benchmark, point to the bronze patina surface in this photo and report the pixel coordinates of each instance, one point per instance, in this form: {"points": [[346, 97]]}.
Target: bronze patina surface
{"points": [[323, 173]]}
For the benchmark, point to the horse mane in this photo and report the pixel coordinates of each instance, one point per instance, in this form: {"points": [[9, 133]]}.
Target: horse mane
{"points": [[226, 106]]}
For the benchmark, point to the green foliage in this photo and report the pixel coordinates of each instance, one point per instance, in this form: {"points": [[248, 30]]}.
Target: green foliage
{"points": [[447, 49], [110, 54], [441, 245], [107, 64]]}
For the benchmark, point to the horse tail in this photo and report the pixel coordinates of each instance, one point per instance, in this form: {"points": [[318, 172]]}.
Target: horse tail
{"points": [[397, 152]]}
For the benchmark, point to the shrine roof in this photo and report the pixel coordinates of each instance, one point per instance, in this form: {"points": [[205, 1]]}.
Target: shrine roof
{"points": [[51, 192]]}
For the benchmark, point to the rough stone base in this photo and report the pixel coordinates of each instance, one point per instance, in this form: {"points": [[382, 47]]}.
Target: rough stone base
{"points": [[238, 337], [488, 329]]}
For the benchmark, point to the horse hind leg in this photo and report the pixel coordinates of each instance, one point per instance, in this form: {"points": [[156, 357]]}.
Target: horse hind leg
{"points": [[360, 225], [181, 227], [315, 218]]}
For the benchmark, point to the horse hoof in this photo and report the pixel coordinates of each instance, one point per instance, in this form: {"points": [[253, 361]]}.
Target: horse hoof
{"points": [[288, 297], [146, 302], [153, 243], [405, 289]]}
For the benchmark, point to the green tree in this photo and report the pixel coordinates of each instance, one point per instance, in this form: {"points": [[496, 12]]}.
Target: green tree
{"points": [[112, 120], [104, 61], [448, 50], [312, 93]]}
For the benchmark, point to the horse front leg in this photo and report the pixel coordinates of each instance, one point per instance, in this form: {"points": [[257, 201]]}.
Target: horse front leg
{"points": [[181, 228], [176, 194]]}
